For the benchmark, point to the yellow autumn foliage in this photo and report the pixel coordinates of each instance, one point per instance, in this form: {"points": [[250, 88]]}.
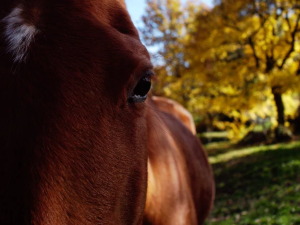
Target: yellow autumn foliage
{"points": [[240, 58]]}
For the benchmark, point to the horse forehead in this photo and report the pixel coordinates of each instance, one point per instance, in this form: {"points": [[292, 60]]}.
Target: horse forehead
{"points": [[22, 23], [113, 13], [115, 27], [113, 19], [109, 12]]}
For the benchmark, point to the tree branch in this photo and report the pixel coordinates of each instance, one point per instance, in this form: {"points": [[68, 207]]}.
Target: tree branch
{"points": [[257, 60], [292, 48], [288, 20]]}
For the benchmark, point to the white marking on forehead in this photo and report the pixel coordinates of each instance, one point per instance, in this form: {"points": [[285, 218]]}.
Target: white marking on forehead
{"points": [[18, 34]]}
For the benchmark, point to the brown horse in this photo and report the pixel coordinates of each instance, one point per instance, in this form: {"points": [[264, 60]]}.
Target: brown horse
{"points": [[180, 181], [76, 131], [72, 130]]}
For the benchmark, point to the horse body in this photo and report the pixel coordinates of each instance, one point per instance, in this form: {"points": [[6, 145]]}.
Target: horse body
{"points": [[180, 182], [177, 110]]}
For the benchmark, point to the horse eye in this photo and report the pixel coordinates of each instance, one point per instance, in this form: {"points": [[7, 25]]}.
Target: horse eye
{"points": [[141, 90]]}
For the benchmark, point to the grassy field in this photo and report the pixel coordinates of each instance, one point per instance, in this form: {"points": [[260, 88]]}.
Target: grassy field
{"points": [[256, 185]]}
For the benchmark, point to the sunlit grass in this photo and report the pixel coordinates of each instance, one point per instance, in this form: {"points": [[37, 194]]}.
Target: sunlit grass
{"points": [[242, 152], [211, 137], [217, 134], [257, 185], [217, 148]]}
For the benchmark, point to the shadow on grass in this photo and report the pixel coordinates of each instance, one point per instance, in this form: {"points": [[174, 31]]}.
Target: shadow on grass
{"points": [[261, 188]]}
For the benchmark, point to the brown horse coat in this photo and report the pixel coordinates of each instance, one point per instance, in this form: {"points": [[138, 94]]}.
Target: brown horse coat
{"points": [[177, 110], [180, 181], [74, 149]]}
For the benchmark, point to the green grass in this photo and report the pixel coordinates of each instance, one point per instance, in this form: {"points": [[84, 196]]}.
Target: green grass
{"points": [[218, 136], [217, 148], [257, 185]]}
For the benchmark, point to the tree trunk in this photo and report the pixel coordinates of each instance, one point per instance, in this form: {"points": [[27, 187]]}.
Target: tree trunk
{"points": [[281, 132], [279, 105]]}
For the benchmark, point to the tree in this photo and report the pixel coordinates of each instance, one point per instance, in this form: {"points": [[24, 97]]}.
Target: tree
{"points": [[235, 58], [164, 26], [265, 33]]}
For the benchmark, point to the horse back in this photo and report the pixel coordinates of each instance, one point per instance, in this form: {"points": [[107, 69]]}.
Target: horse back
{"points": [[180, 180]]}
